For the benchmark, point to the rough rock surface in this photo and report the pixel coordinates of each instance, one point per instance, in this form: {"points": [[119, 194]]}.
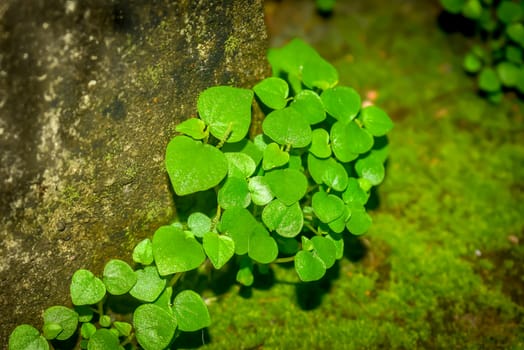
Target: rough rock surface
{"points": [[90, 93]]}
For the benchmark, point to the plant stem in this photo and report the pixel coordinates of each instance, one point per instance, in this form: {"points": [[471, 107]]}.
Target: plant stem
{"points": [[284, 260], [174, 279]]}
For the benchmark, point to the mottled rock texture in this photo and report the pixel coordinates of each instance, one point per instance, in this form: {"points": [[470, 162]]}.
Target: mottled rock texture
{"points": [[90, 94]]}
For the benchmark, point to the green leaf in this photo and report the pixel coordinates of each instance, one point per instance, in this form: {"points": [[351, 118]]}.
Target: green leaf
{"points": [[371, 169], [193, 166], [291, 57], [154, 327], [245, 271], [327, 207], [328, 171], [190, 311], [105, 321], [472, 63], [488, 80], [164, 300], [349, 139], [118, 277], [516, 33], [309, 104], [359, 222], [143, 252], [246, 147], [124, 328], [288, 185], [176, 251], [104, 339], [288, 246], [375, 120], [453, 6], [514, 53], [234, 193], [339, 245], [240, 164], [227, 111], [51, 330], [472, 9], [287, 221], [85, 313], [193, 127], [341, 102], [149, 285], [272, 92], [260, 190], [309, 266], [509, 11], [287, 127], [87, 330], [354, 194], [86, 289], [65, 318], [319, 73], [199, 224], [262, 247], [508, 73], [325, 249], [238, 223], [320, 143], [26, 337], [339, 224], [218, 248], [274, 157]]}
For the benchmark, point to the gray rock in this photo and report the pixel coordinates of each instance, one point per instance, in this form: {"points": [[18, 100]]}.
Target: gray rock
{"points": [[90, 93]]}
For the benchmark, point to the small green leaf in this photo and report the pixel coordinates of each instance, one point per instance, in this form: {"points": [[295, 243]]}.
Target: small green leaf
{"points": [[325, 249], [508, 73], [472, 63], [309, 104], [124, 328], [328, 171], [26, 337], [341, 102], [51, 330], [274, 157], [472, 9], [238, 223], [453, 6], [118, 277], [375, 120], [199, 224], [63, 317], [287, 221], [509, 11], [86, 289], [319, 73], [193, 166], [272, 92], [327, 207], [227, 111], [348, 140], [245, 272], [234, 193], [218, 248], [105, 321], [488, 80], [149, 285], [240, 164], [143, 252], [154, 327], [288, 185], [190, 311], [359, 222], [371, 169], [516, 33], [309, 266], [260, 190], [104, 339], [339, 245], [287, 127], [320, 143], [291, 57], [193, 127], [176, 251], [262, 247], [339, 224], [247, 147], [354, 194], [87, 330]]}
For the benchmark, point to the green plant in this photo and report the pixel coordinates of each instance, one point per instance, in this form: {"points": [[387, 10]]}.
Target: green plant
{"points": [[498, 60], [289, 194]]}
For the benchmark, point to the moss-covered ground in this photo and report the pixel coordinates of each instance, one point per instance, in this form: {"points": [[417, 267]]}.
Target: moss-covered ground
{"points": [[442, 266]]}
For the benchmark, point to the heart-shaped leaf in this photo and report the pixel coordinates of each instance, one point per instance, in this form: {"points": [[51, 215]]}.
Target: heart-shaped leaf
{"points": [[238, 223], [193, 127], [287, 221], [272, 92], [319, 73], [118, 277], [339, 224], [148, 284], [104, 339], [354, 194], [327, 207], [245, 271], [193, 166], [63, 317], [370, 169], [262, 247], [508, 73], [325, 249], [328, 171], [375, 120], [349, 140], [288, 185], [309, 266], [143, 252], [219, 249], [199, 224], [86, 289], [176, 251], [488, 80], [287, 127], [320, 143], [27, 337], [234, 193], [190, 311], [240, 164], [359, 222], [260, 190], [154, 326], [227, 111], [341, 102], [309, 104], [274, 157]]}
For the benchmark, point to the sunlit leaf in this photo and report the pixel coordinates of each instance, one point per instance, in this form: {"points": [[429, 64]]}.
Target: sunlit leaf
{"points": [[272, 92], [190, 311]]}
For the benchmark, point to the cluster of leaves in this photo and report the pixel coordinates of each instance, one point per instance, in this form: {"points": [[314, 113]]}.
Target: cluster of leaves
{"points": [[288, 194], [499, 61]]}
